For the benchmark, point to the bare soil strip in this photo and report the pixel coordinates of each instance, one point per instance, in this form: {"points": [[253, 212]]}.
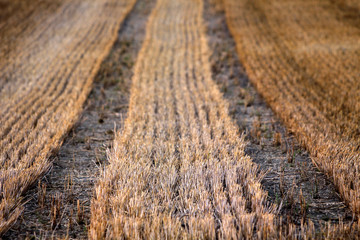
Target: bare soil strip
{"points": [[178, 168], [44, 82], [292, 178], [76, 166], [303, 57]]}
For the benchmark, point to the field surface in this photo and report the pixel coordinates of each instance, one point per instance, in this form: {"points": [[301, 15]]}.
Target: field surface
{"points": [[179, 160], [45, 79], [187, 119], [303, 57]]}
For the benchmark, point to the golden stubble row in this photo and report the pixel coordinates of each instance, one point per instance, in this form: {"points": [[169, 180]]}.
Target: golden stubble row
{"points": [[178, 169], [304, 58], [44, 80]]}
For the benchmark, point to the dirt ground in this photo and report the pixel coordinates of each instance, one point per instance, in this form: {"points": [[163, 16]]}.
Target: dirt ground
{"points": [[292, 180], [60, 205]]}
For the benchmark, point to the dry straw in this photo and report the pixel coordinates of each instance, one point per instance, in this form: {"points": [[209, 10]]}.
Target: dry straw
{"points": [[178, 169], [304, 58], [48, 61]]}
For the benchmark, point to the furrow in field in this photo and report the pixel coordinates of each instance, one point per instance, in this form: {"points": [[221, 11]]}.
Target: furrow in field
{"points": [[47, 80], [178, 168], [303, 57]]}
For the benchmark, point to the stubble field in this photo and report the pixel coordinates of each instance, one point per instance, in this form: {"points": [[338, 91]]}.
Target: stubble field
{"points": [[205, 119]]}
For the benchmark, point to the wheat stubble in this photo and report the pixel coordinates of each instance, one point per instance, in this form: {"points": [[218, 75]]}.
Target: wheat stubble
{"points": [[303, 57], [178, 168], [45, 79]]}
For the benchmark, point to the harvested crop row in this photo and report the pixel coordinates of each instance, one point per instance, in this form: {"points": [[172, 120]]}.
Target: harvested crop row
{"points": [[178, 168], [303, 57], [44, 82]]}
